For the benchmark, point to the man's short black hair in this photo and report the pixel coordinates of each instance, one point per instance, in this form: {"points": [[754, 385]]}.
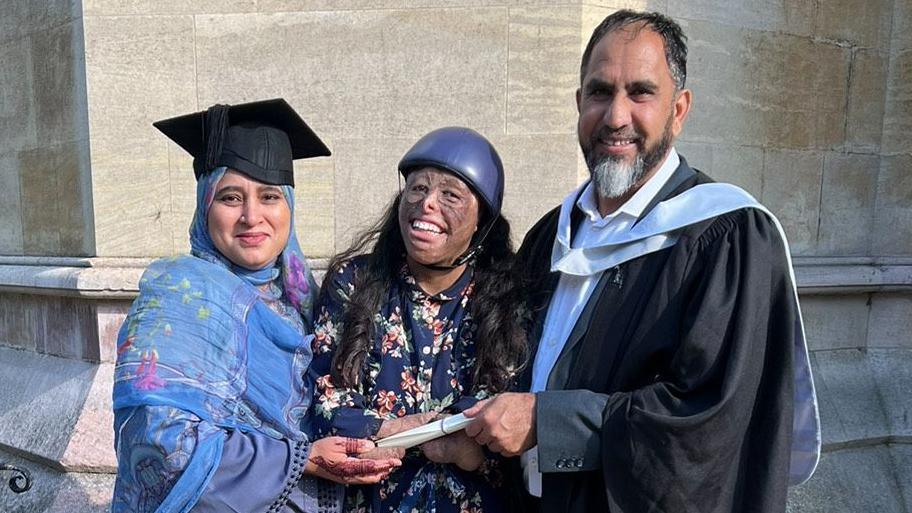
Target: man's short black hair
{"points": [[672, 35]]}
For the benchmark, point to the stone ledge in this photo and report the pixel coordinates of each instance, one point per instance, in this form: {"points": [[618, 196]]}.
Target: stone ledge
{"points": [[94, 278], [98, 278], [57, 411], [852, 275], [112, 278]]}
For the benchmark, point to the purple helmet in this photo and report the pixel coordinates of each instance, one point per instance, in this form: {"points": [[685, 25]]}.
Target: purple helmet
{"points": [[465, 153]]}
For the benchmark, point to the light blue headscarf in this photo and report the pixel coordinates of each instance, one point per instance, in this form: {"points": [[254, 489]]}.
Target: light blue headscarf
{"points": [[227, 344], [295, 289]]}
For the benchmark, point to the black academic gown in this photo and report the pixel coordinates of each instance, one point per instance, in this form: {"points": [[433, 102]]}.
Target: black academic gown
{"points": [[674, 392]]}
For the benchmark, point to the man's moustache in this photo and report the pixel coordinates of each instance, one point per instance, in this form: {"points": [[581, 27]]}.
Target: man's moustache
{"points": [[607, 134]]}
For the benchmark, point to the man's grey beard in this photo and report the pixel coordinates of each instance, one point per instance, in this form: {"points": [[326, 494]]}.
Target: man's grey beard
{"points": [[613, 177]]}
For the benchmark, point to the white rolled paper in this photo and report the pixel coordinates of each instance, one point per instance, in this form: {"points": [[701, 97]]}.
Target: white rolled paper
{"points": [[426, 433]]}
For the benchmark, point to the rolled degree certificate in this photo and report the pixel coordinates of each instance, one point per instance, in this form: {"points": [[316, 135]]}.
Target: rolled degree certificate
{"points": [[426, 433]]}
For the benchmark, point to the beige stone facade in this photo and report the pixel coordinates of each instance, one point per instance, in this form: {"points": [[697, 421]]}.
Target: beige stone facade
{"points": [[807, 104]]}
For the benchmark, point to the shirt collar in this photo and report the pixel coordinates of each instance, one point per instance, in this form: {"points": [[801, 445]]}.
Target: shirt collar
{"points": [[634, 206], [459, 288]]}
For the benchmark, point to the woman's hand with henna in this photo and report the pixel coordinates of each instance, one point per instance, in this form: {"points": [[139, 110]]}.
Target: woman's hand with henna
{"points": [[342, 460], [383, 453], [457, 449], [390, 427]]}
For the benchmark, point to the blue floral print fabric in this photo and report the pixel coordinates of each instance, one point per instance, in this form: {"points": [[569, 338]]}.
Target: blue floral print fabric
{"points": [[208, 341], [422, 360]]}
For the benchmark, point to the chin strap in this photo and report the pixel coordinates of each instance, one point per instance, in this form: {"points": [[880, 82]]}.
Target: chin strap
{"points": [[468, 256]]}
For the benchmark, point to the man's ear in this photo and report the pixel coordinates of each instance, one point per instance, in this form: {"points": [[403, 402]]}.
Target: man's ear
{"points": [[681, 108], [578, 94]]}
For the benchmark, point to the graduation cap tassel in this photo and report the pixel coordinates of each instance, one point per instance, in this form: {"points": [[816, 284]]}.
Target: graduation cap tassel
{"points": [[216, 129]]}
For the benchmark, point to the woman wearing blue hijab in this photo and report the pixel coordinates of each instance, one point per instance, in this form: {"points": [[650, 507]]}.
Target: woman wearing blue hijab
{"points": [[209, 392]]}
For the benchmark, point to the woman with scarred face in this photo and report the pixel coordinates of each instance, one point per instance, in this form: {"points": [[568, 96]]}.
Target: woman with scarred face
{"points": [[419, 319]]}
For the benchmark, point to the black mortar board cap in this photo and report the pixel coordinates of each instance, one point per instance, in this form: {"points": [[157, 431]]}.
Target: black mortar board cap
{"points": [[259, 139]]}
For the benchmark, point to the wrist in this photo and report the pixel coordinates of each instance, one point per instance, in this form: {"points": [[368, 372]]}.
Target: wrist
{"points": [[311, 469], [316, 451]]}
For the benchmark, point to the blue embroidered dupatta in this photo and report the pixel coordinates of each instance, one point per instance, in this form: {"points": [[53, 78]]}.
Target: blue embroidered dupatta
{"points": [[226, 344]]}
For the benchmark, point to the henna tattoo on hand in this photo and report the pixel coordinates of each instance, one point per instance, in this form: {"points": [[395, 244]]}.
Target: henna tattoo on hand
{"points": [[352, 446], [352, 467]]}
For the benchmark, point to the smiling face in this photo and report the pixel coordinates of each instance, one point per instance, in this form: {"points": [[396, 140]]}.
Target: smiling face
{"points": [[438, 215], [629, 108], [249, 221]]}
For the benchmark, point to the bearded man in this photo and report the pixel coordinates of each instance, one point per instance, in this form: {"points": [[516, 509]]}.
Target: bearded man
{"points": [[670, 370]]}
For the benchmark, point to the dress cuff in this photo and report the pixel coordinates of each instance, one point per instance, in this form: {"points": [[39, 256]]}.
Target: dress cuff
{"points": [[321, 495], [299, 454]]}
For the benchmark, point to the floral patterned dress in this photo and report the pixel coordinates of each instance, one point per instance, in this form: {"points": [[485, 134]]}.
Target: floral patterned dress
{"points": [[421, 361]]}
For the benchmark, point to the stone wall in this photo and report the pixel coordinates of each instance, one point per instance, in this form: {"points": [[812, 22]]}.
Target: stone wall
{"points": [[44, 141], [792, 108], [369, 78], [799, 103], [805, 104]]}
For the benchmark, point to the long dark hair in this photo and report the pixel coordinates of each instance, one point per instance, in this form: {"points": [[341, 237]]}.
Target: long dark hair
{"points": [[500, 343]]}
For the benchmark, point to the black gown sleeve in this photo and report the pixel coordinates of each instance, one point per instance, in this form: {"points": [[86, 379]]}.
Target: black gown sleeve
{"points": [[710, 432]]}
